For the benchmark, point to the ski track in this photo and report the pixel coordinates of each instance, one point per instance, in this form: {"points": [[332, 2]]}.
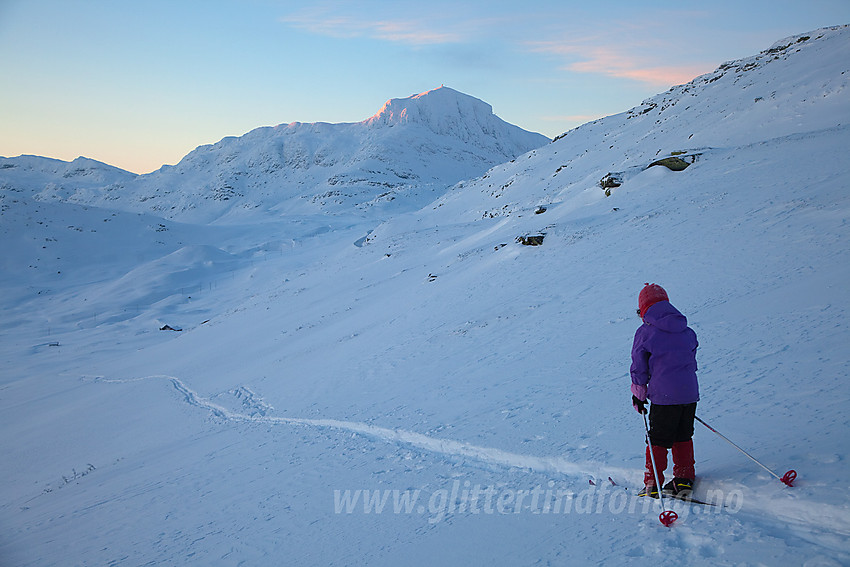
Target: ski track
{"points": [[447, 447], [809, 517]]}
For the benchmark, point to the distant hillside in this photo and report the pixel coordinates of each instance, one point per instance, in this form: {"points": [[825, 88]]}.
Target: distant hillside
{"points": [[400, 159]]}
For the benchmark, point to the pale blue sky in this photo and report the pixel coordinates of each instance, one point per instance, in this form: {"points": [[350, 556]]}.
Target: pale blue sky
{"points": [[139, 84]]}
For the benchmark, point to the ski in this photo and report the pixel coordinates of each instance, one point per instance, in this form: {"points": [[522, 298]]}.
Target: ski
{"points": [[687, 498], [667, 494]]}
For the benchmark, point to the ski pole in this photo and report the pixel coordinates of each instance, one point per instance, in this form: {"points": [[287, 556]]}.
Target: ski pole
{"points": [[667, 517], [787, 478]]}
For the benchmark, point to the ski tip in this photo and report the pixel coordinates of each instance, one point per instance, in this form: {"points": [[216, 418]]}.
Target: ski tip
{"points": [[667, 517], [788, 478]]}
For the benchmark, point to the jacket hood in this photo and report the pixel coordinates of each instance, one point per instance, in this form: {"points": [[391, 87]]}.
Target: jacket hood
{"points": [[666, 317]]}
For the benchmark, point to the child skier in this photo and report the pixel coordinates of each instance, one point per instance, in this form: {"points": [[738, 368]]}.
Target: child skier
{"points": [[664, 370]]}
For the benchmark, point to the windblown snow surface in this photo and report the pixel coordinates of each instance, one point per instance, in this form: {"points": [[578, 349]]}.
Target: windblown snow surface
{"points": [[407, 384]]}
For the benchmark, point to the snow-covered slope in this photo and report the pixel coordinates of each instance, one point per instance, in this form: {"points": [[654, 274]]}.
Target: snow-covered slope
{"points": [[797, 86], [80, 180], [398, 160], [471, 384]]}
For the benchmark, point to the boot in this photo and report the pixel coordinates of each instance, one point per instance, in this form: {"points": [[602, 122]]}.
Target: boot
{"points": [[681, 487], [651, 491]]}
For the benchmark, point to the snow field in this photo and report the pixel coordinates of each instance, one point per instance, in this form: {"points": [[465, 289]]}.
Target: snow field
{"points": [[438, 355]]}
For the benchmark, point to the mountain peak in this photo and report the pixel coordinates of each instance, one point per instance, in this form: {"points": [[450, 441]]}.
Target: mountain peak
{"points": [[447, 112], [438, 109]]}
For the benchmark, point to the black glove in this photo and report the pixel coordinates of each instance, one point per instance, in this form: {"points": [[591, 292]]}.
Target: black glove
{"points": [[640, 405]]}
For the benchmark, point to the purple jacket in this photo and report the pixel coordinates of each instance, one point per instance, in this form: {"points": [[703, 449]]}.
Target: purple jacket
{"points": [[664, 357]]}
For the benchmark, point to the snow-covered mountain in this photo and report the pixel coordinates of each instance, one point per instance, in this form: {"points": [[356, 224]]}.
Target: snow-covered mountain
{"points": [[398, 160], [422, 388]]}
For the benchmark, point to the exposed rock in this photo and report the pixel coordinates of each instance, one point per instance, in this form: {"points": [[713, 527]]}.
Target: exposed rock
{"points": [[610, 181], [531, 239], [671, 163]]}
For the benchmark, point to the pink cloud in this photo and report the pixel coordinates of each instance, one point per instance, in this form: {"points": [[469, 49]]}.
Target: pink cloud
{"points": [[622, 61]]}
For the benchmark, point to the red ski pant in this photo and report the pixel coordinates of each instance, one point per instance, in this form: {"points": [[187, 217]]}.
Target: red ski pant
{"points": [[683, 462]]}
